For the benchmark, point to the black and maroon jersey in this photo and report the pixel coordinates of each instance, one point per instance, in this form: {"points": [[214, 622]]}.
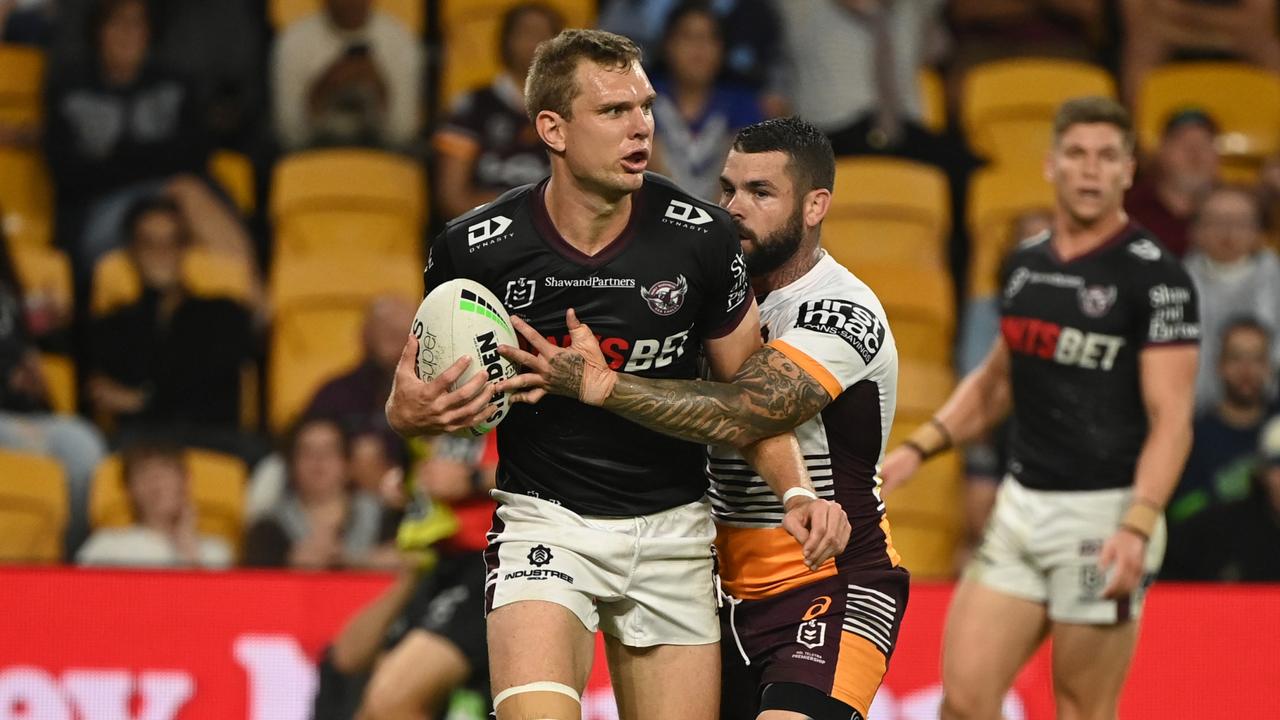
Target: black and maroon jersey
{"points": [[1075, 330], [673, 278], [491, 125]]}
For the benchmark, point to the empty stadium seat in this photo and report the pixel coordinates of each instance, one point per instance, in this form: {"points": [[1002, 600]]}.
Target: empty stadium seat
{"points": [[233, 172], [886, 210], [60, 379], [1007, 106], [343, 202], [21, 85], [217, 487], [44, 271], [470, 32], [1243, 100], [26, 197], [933, 100], [923, 385], [997, 196], [316, 332], [206, 274], [411, 12], [33, 508], [926, 513]]}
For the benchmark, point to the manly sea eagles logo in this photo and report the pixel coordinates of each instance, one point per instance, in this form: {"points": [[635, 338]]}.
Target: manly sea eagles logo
{"points": [[1096, 300], [666, 297]]}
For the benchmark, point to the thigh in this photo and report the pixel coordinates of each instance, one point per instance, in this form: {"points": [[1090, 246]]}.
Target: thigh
{"points": [[415, 678], [665, 681], [1090, 663], [534, 641], [988, 637]]}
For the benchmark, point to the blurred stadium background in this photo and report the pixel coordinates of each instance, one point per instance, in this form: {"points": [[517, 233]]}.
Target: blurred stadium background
{"points": [[212, 210]]}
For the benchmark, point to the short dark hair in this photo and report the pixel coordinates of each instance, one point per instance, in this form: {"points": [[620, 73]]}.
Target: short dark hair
{"points": [[513, 16], [553, 80], [135, 456], [1091, 110], [810, 161], [1245, 322], [144, 207], [1255, 201]]}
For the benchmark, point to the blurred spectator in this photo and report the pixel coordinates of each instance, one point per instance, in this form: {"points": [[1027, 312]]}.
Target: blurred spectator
{"points": [[164, 532], [488, 145], [1234, 275], [853, 68], [988, 30], [26, 421], [322, 522], [348, 75], [1269, 193], [1237, 541], [752, 42], [1184, 169], [170, 362], [1226, 435], [696, 115], [1157, 31], [439, 645], [118, 127], [26, 22]]}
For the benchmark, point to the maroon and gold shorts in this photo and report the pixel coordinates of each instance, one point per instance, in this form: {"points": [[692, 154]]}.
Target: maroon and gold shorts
{"points": [[834, 636]]}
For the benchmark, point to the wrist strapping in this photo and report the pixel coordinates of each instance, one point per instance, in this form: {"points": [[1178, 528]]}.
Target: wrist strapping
{"points": [[597, 383], [929, 439], [798, 492], [1141, 518]]}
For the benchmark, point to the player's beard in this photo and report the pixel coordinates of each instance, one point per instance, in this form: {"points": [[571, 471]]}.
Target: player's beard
{"points": [[770, 252]]}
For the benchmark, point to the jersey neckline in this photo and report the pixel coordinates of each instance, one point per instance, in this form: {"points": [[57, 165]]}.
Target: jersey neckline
{"points": [[547, 230], [1123, 233], [811, 277]]}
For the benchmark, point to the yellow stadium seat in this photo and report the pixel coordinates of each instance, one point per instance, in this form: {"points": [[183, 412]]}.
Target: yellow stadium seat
{"points": [[933, 100], [60, 378], [912, 293], [21, 85], [1007, 106], [470, 31], [44, 271], [26, 197], [1243, 100], [217, 488], [923, 385], [925, 514], [33, 508], [411, 12], [316, 332], [885, 211], [348, 202], [205, 273], [234, 173], [997, 196]]}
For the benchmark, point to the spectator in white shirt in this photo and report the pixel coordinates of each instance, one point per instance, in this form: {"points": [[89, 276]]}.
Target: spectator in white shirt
{"points": [[347, 75], [163, 533]]}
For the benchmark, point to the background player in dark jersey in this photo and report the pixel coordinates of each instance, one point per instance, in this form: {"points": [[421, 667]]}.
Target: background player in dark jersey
{"points": [[814, 644], [602, 523], [1097, 361]]}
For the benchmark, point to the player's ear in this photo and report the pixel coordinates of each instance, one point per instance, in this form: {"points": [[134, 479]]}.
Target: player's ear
{"points": [[550, 127], [815, 205]]}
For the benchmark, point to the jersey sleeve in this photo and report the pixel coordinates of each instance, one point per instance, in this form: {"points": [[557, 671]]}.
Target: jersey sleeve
{"points": [[461, 132], [1168, 309], [837, 341], [439, 264], [729, 288]]}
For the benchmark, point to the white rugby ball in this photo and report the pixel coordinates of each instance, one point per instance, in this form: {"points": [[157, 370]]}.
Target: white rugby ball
{"points": [[461, 317]]}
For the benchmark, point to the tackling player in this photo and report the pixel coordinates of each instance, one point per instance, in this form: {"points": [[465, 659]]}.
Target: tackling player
{"points": [[1097, 361], [813, 644], [603, 524]]}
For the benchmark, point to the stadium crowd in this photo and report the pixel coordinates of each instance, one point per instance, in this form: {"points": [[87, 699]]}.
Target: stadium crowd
{"points": [[215, 216]]}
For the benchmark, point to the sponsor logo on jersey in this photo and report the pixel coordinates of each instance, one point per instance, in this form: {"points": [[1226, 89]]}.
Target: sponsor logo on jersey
{"points": [[1063, 345], [812, 634], [1168, 315], [847, 320], [1097, 300], [487, 232], [593, 282], [666, 297], [819, 607], [685, 215], [1145, 250], [540, 555], [520, 293], [740, 283], [634, 355]]}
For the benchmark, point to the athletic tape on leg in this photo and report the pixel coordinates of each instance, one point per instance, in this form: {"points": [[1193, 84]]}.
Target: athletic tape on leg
{"points": [[545, 708]]}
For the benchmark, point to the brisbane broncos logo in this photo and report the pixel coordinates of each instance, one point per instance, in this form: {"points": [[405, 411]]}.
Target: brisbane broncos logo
{"points": [[665, 297]]}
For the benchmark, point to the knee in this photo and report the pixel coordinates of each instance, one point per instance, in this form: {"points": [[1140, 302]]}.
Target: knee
{"points": [[960, 703], [383, 702], [1075, 705]]}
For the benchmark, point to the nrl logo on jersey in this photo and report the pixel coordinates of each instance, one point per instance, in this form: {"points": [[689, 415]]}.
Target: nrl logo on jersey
{"points": [[665, 297], [487, 232], [686, 215], [520, 293]]}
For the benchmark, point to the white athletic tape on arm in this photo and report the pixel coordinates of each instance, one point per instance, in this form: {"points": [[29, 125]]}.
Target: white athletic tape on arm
{"points": [[795, 491], [540, 686]]}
